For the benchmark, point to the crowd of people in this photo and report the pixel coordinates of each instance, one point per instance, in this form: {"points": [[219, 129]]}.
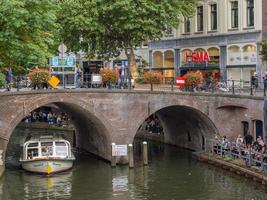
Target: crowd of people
{"points": [[153, 125], [56, 118], [243, 145]]}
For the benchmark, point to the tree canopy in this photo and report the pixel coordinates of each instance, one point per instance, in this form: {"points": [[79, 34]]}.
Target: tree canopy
{"points": [[28, 30], [264, 50], [112, 25]]}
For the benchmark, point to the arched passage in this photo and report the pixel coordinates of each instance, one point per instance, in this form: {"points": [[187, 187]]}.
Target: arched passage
{"points": [[92, 130], [186, 127]]}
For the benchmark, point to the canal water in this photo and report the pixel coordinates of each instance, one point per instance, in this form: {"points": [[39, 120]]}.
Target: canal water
{"points": [[172, 174]]}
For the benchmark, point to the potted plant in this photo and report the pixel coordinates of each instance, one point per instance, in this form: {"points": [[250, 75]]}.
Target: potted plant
{"points": [[109, 76], [152, 77], [193, 79], [39, 77]]}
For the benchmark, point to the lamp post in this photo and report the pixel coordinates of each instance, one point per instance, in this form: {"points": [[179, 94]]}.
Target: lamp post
{"points": [[128, 53]]}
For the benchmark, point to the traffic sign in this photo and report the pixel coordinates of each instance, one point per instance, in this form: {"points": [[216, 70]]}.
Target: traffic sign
{"points": [[180, 81], [54, 81]]}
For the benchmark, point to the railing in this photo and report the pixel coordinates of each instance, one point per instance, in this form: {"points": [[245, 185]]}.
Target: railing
{"points": [[235, 87], [232, 151]]}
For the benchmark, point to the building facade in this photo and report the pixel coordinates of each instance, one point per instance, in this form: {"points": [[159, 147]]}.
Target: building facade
{"points": [[221, 39]]}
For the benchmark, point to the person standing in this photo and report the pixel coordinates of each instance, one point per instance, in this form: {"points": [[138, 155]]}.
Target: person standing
{"points": [[265, 82], [254, 83], [9, 78]]}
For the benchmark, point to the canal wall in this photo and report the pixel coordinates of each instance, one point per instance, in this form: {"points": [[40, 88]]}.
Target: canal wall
{"points": [[240, 170]]}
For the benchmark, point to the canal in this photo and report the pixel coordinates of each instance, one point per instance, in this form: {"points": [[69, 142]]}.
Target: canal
{"points": [[172, 174]]}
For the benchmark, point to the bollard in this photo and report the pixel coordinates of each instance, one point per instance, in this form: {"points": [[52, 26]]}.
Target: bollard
{"points": [[239, 152], [113, 158], [233, 86], [249, 157], [145, 156], [172, 82], [262, 163], [130, 156]]}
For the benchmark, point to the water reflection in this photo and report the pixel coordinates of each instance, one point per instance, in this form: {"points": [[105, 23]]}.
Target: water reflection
{"points": [[47, 187], [172, 173]]}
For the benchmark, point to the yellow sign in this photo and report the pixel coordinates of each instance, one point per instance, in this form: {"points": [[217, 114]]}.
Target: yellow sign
{"points": [[54, 81]]}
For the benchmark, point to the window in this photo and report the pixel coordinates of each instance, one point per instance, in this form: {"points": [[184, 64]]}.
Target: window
{"points": [[186, 25], [169, 32], [234, 14], [200, 18], [213, 17], [250, 12]]}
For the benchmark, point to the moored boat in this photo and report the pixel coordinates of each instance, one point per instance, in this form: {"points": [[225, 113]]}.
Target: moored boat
{"points": [[47, 154]]}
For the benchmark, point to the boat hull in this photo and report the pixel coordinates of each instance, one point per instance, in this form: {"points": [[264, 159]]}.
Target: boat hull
{"points": [[47, 166]]}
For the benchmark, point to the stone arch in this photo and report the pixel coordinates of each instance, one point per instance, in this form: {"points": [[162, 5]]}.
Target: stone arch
{"points": [[190, 121], [93, 129]]}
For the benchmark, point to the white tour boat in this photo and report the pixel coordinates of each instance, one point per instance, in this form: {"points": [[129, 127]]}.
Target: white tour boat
{"points": [[47, 154]]}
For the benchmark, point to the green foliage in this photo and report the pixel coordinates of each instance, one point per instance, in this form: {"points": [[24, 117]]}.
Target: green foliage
{"points": [[28, 30], [2, 80], [264, 50], [112, 25]]}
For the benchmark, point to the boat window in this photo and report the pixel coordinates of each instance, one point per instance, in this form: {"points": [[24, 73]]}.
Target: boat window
{"points": [[33, 144], [60, 144], [47, 148], [32, 153], [61, 149]]}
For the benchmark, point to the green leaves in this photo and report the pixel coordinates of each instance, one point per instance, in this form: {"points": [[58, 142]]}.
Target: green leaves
{"points": [[264, 50], [28, 31], [109, 25]]}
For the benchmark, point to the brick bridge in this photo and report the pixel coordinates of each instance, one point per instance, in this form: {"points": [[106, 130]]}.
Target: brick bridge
{"points": [[105, 116]]}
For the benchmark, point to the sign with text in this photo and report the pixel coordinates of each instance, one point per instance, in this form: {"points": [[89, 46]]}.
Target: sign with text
{"points": [[197, 56], [96, 79], [180, 81], [119, 150]]}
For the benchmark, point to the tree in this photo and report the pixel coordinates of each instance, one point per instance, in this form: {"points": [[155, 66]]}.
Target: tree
{"points": [[28, 31], [109, 26], [264, 50]]}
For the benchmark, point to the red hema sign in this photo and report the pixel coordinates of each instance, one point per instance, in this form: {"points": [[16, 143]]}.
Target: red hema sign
{"points": [[197, 56], [180, 81]]}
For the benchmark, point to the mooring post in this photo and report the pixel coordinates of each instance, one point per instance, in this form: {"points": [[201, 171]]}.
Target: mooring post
{"points": [[130, 156], [145, 156], [249, 155], [262, 163], [113, 158], [239, 152]]}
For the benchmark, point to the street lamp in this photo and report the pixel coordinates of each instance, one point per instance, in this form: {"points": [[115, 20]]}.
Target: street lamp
{"points": [[128, 53]]}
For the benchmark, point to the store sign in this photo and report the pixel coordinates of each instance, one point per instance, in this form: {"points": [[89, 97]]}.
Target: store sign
{"points": [[197, 56], [119, 150], [68, 61]]}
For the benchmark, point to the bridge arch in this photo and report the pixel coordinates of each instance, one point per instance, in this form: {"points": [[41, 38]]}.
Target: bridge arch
{"points": [[184, 126], [93, 130]]}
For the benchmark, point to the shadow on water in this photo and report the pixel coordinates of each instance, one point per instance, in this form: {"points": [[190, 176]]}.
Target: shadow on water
{"points": [[172, 174]]}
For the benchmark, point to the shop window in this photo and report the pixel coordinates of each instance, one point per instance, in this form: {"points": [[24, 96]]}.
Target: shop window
{"points": [[169, 63], [157, 59], [214, 54], [249, 48]]}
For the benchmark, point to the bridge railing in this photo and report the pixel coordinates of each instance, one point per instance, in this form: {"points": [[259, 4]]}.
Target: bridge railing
{"points": [[235, 87], [243, 155]]}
